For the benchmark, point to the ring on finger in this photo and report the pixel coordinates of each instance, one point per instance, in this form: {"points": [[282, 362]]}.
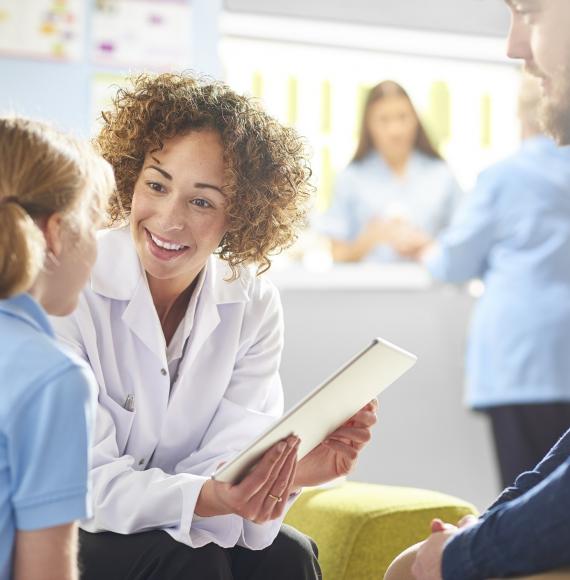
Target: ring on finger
{"points": [[276, 498]]}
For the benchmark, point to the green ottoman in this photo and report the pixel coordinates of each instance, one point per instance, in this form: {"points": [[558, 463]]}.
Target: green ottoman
{"points": [[360, 527]]}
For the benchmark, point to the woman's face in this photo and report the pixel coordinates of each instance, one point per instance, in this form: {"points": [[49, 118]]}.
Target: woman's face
{"points": [[178, 214], [393, 126]]}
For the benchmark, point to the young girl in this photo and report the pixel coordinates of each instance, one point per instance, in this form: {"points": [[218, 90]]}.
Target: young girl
{"points": [[51, 190], [186, 340]]}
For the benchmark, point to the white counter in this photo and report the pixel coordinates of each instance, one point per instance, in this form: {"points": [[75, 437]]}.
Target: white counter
{"points": [[425, 437]]}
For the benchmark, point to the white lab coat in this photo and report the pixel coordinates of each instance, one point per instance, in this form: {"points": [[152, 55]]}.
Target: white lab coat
{"points": [[149, 464]]}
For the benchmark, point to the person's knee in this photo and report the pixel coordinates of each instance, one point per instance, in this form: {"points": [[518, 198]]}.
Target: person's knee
{"points": [[291, 546], [181, 561], [401, 567]]}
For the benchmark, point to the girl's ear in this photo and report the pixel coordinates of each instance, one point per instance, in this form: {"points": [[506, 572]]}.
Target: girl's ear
{"points": [[53, 232]]}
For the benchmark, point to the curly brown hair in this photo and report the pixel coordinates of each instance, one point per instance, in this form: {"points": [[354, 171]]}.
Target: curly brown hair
{"points": [[267, 172]]}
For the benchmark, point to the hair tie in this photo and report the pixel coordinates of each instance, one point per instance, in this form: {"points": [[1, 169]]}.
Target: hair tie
{"points": [[9, 199]]}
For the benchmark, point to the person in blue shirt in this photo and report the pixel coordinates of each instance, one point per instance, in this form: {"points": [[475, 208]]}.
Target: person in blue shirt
{"points": [[51, 190], [527, 531], [396, 176], [514, 233]]}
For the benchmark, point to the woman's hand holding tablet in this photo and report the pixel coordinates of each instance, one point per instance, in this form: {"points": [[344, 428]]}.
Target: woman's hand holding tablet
{"points": [[260, 495]]}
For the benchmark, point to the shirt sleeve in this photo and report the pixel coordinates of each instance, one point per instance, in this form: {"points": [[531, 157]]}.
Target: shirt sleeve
{"points": [[559, 453], [463, 249], [252, 402], [338, 222], [523, 536], [49, 439], [452, 200]]}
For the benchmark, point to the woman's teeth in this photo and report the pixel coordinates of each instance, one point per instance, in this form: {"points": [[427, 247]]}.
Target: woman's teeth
{"points": [[166, 245]]}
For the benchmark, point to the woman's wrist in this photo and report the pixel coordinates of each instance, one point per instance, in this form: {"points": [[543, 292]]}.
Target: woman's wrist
{"points": [[208, 503]]}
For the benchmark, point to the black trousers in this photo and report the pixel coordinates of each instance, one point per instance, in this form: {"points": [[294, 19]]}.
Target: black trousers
{"points": [[523, 435], [155, 555]]}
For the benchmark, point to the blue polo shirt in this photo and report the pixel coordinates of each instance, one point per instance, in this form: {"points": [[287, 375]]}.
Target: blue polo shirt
{"points": [[426, 196], [513, 232], [46, 410]]}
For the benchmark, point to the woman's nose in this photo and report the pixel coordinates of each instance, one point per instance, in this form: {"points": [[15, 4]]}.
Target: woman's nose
{"points": [[172, 217]]}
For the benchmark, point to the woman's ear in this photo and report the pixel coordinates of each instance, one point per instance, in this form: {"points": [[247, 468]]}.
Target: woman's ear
{"points": [[53, 229]]}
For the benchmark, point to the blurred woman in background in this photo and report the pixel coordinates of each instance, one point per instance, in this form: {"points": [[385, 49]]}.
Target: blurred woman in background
{"points": [[396, 177]]}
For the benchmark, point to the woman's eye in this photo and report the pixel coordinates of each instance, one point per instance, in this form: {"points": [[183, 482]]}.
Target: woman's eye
{"points": [[201, 203], [155, 186]]}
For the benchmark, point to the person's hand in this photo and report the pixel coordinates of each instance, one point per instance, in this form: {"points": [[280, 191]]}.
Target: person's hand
{"points": [[337, 454], [261, 496], [466, 521], [427, 564], [405, 239], [374, 232]]}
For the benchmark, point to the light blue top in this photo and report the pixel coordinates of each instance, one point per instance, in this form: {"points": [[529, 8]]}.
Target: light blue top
{"points": [[46, 409], [514, 233], [426, 196]]}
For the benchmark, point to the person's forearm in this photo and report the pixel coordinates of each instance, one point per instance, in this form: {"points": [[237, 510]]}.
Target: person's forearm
{"points": [[520, 537], [48, 554], [352, 251]]}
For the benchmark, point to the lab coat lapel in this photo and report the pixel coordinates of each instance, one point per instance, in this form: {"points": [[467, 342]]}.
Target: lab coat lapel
{"points": [[216, 291], [141, 317], [118, 275]]}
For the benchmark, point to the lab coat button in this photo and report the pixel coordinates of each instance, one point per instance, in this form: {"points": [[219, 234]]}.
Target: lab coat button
{"points": [[141, 462], [163, 371]]}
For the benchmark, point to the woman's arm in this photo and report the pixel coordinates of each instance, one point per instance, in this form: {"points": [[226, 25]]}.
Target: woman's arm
{"points": [[48, 554], [353, 251]]}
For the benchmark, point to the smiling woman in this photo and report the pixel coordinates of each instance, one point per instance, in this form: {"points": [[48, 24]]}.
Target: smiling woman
{"points": [[265, 174], [186, 341]]}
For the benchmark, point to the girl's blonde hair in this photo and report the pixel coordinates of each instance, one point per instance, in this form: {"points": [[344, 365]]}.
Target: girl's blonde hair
{"points": [[42, 172]]}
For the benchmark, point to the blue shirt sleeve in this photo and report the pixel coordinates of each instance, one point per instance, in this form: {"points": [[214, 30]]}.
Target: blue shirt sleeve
{"points": [[452, 201], [463, 249], [527, 480], [49, 441], [338, 221], [524, 535]]}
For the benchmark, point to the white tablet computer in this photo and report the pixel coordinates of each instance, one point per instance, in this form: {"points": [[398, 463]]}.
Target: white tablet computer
{"points": [[327, 407]]}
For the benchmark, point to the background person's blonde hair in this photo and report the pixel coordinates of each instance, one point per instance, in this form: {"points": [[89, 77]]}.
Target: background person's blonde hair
{"points": [[42, 172]]}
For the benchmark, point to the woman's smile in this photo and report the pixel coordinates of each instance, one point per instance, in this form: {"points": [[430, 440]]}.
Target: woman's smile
{"points": [[162, 248]]}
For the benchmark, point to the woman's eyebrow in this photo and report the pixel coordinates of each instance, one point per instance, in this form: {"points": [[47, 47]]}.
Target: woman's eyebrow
{"points": [[201, 185], [161, 171]]}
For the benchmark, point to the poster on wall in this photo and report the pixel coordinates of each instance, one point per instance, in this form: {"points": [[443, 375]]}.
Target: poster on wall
{"points": [[44, 29], [149, 34]]}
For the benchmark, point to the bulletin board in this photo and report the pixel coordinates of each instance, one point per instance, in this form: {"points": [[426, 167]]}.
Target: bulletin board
{"points": [[135, 34], [44, 29]]}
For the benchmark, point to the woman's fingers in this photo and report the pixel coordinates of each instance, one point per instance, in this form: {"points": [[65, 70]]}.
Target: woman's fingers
{"points": [[364, 418], [262, 505], [276, 484], [257, 478], [276, 495], [279, 507], [349, 451], [354, 434]]}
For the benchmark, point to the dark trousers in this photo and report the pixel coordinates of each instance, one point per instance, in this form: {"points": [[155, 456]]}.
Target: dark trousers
{"points": [[155, 555], [524, 434]]}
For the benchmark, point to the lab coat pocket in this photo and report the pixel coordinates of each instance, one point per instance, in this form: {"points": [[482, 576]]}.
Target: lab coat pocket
{"points": [[122, 419]]}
